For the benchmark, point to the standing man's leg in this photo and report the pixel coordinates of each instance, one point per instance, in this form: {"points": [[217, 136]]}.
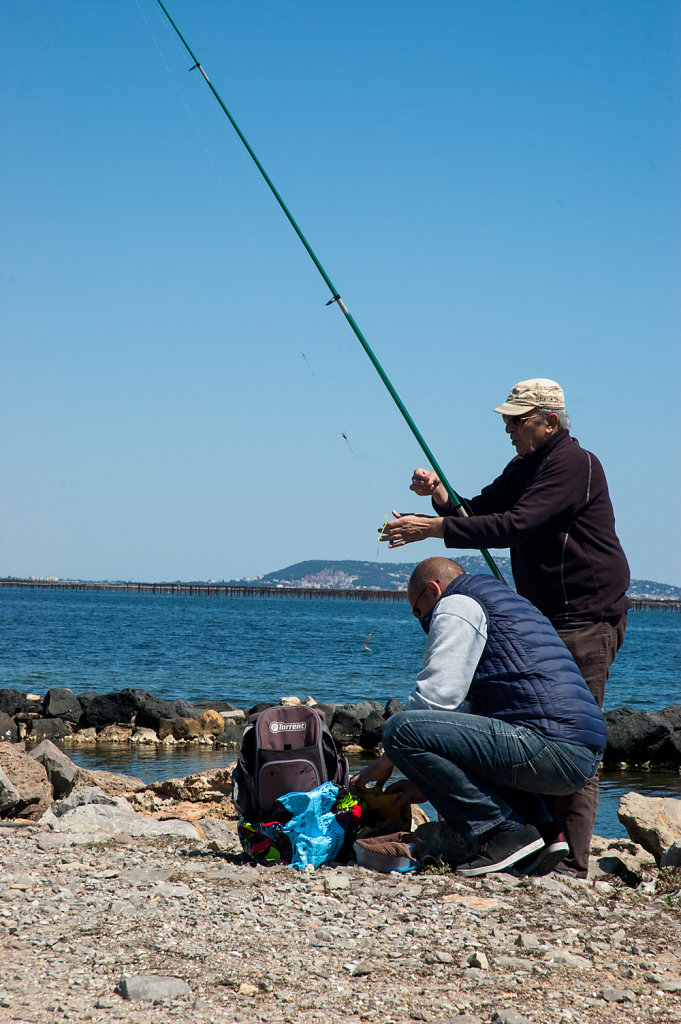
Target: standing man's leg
{"points": [[594, 648]]}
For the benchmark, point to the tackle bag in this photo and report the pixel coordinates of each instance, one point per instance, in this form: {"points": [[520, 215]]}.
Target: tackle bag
{"points": [[320, 827], [284, 750]]}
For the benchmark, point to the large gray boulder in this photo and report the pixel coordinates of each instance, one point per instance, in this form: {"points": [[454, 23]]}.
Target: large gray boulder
{"points": [[153, 987], [61, 771], [623, 858], [9, 795], [671, 858], [92, 795], [654, 822], [100, 820]]}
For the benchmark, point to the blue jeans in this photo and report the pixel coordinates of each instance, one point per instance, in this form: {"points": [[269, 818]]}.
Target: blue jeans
{"points": [[477, 772]]}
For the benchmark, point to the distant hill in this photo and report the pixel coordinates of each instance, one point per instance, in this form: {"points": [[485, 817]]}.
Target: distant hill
{"points": [[653, 590], [358, 575], [347, 574]]}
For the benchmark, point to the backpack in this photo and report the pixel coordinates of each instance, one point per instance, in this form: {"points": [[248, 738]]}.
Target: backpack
{"points": [[284, 750]]}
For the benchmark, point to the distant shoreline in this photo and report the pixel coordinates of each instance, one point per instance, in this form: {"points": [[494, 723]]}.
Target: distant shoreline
{"points": [[301, 593], [213, 590]]}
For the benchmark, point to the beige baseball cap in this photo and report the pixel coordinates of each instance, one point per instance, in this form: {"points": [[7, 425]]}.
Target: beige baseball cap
{"points": [[538, 393]]}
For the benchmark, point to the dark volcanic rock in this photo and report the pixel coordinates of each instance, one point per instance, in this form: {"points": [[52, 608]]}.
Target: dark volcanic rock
{"points": [[372, 730], [14, 702], [672, 714], [108, 709], [184, 728], [639, 737], [346, 727], [152, 711], [358, 724], [257, 708], [86, 698], [328, 711], [183, 709], [8, 728], [215, 705], [48, 729], [392, 707], [231, 734], [149, 710], [137, 696], [61, 702]]}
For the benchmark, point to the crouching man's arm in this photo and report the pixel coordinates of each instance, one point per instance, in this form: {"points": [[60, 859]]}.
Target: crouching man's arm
{"points": [[407, 792], [378, 772]]}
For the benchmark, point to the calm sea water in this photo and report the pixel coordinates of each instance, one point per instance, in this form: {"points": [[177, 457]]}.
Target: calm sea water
{"points": [[246, 650]]}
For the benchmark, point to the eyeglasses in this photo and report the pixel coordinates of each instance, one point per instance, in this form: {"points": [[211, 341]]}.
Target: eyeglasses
{"points": [[517, 421], [416, 602]]}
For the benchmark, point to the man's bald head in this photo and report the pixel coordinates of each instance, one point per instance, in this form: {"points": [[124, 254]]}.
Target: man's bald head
{"points": [[439, 570]]}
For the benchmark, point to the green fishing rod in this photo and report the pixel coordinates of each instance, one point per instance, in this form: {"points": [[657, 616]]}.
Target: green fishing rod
{"points": [[335, 296]]}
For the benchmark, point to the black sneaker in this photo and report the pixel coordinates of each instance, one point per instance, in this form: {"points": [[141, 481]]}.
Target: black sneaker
{"points": [[502, 850], [554, 851]]}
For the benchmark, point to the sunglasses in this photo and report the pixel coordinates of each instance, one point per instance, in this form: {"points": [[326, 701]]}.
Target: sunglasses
{"points": [[517, 421], [415, 605]]}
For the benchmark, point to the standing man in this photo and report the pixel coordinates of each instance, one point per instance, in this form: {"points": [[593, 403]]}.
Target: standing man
{"points": [[551, 507], [499, 717]]}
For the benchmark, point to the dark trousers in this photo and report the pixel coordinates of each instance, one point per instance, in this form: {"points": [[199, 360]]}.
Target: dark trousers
{"points": [[593, 647]]}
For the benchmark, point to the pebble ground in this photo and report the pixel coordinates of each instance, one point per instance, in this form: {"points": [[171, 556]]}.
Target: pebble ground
{"points": [[343, 944]]}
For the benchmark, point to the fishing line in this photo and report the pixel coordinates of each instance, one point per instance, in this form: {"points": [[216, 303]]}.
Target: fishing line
{"points": [[360, 457], [218, 174], [335, 294], [356, 455], [328, 404], [273, 283]]}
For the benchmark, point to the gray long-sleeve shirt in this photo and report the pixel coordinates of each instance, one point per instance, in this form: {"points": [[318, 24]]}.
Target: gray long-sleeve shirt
{"points": [[456, 640]]}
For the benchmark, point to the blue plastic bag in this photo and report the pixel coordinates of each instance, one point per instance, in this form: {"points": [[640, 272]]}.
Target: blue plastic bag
{"points": [[314, 833]]}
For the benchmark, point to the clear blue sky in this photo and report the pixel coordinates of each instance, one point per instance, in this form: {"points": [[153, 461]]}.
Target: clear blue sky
{"points": [[494, 187]]}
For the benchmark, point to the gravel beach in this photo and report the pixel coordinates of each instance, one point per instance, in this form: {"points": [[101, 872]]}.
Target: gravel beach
{"points": [[155, 928]]}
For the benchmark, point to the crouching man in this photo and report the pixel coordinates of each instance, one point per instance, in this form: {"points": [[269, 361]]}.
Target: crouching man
{"points": [[499, 717]]}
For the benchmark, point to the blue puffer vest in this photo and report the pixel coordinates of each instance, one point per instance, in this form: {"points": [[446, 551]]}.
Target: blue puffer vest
{"points": [[526, 675]]}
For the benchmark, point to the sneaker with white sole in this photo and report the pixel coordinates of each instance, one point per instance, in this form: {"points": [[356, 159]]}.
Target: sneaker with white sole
{"points": [[502, 850], [554, 851]]}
